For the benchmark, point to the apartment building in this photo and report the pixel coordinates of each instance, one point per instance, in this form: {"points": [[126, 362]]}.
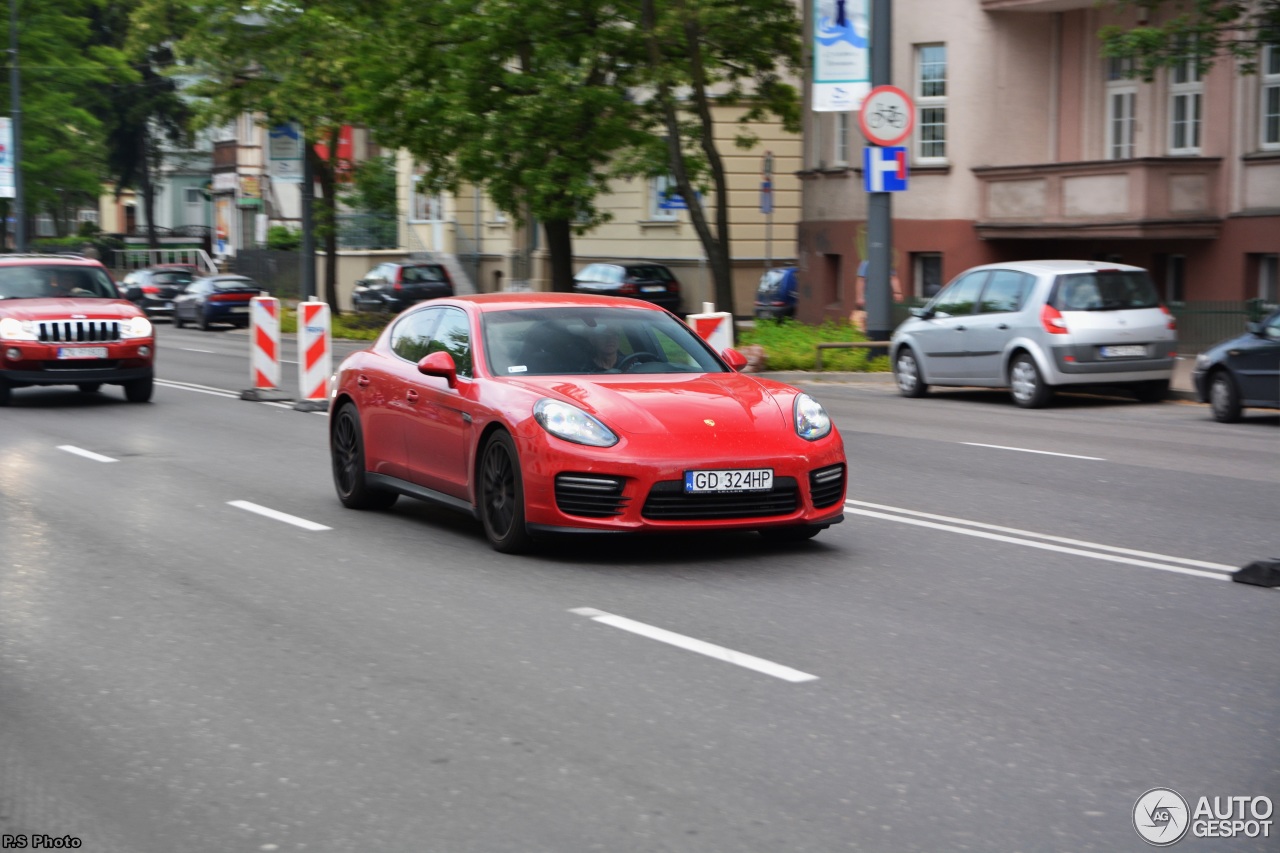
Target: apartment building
{"points": [[1029, 143]]}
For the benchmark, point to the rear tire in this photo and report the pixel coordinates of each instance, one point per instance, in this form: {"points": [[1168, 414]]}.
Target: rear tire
{"points": [[202, 322], [906, 372], [1152, 392], [5, 393], [502, 496], [1224, 397], [139, 390], [346, 449], [1026, 385], [178, 322], [89, 387]]}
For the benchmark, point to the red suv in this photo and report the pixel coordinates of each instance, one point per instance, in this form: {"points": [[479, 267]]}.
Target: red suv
{"points": [[63, 322]]}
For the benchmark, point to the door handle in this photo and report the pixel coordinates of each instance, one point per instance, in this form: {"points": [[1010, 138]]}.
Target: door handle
{"points": [[1003, 326], [411, 396], [362, 381], [959, 328]]}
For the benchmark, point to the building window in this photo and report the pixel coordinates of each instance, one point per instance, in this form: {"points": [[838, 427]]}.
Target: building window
{"points": [[1271, 97], [663, 200], [1186, 95], [1269, 279], [931, 101], [1122, 100], [426, 206], [1175, 279], [926, 274], [842, 139]]}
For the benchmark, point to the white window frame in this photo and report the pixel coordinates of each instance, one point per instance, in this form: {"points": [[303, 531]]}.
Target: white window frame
{"points": [[1186, 89], [840, 156], [658, 188], [424, 207], [1122, 106], [1269, 100], [931, 98]]}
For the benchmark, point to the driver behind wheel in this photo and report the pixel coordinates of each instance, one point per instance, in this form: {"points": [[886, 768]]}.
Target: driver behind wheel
{"points": [[604, 342]]}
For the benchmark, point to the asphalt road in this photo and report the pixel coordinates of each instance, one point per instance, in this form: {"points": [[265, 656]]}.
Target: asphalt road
{"points": [[1024, 623]]}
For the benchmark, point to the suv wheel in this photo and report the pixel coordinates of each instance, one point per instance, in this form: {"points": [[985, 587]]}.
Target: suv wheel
{"points": [[906, 372], [1026, 385], [139, 390]]}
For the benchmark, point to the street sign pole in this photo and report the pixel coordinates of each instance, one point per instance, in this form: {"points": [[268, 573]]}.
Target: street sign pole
{"points": [[879, 295], [15, 95], [768, 210]]}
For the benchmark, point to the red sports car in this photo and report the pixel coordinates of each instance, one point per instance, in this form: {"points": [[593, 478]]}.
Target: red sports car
{"points": [[545, 413]]}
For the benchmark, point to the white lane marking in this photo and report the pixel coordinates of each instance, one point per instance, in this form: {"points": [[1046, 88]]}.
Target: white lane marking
{"points": [[278, 516], [87, 454], [1064, 540], [205, 351], [1041, 452], [202, 389], [786, 673]]}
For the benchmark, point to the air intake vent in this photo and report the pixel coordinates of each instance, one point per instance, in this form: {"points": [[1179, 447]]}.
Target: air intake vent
{"points": [[78, 331], [590, 495], [669, 502], [826, 485]]}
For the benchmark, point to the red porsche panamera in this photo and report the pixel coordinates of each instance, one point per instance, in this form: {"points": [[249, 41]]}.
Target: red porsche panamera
{"points": [[548, 413]]}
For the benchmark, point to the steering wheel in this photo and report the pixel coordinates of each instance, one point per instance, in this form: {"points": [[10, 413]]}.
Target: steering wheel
{"points": [[636, 358]]}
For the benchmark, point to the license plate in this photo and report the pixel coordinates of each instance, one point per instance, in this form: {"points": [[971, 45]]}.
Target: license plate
{"points": [[82, 352], [653, 288], [729, 480], [240, 309], [1125, 351], [169, 305]]}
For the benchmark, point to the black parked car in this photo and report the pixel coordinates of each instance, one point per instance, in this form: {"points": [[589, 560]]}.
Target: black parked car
{"points": [[152, 289], [1243, 372], [641, 280], [215, 299], [391, 287]]}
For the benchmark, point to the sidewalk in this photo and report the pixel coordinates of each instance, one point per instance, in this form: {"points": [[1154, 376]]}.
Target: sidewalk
{"points": [[1180, 388]]}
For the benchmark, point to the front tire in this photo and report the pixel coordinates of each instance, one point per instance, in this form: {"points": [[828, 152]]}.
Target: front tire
{"points": [[502, 496], [1026, 385], [906, 372], [202, 322], [89, 387], [1224, 398], [139, 390], [346, 449], [178, 322]]}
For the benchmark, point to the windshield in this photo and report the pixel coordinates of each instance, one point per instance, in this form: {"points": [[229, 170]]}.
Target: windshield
{"points": [[1106, 290], [51, 280], [568, 341]]}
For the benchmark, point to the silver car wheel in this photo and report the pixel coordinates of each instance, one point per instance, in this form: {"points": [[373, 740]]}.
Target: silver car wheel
{"points": [[908, 373], [1023, 381]]}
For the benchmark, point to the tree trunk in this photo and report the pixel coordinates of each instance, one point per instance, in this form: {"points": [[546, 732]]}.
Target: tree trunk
{"points": [[149, 191], [560, 248]]}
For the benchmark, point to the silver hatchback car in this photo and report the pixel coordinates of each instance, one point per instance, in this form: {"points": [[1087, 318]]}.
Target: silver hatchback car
{"points": [[1032, 326]]}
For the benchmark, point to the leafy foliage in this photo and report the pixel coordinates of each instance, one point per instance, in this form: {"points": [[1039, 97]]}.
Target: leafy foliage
{"points": [[790, 345], [1203, 30]]}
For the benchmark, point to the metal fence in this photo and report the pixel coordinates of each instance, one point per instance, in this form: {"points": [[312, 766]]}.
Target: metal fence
{"points": [[279, 273], [368, 231]]}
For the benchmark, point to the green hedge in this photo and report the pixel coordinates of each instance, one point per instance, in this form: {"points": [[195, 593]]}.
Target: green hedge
{"points": [[790, 345]]}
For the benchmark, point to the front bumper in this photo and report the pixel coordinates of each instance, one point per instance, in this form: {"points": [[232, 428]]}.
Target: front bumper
{"points": [[38, 363]]}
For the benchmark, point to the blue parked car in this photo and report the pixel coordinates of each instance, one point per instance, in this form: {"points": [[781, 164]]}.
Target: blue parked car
{"points": [[215, 299], [776, 296], [1242, 372]]}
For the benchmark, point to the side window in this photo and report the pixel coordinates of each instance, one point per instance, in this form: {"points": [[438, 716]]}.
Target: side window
{"points": [[411, 337], [1005, 291], [961, 295], [589, 274], [453, 335]]}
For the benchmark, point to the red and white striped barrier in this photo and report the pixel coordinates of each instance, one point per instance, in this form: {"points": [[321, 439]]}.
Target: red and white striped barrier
{"points": [[714, 327], [264, 337], [315, 353]]}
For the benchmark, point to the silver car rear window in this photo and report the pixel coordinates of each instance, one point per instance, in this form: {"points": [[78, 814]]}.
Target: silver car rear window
{"points": [[1105, 290]]}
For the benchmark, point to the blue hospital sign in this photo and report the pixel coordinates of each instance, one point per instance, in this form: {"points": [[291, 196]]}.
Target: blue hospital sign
{"points": [[884, 170]]}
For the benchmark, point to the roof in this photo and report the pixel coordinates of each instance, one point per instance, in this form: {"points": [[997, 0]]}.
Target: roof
{"points": [[508, 301], [48, 260], [1061, 266]]}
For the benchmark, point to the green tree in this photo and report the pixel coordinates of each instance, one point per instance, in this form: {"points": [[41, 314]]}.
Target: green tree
{"points": [[373, 192], [1206, 30], [284, 61]]}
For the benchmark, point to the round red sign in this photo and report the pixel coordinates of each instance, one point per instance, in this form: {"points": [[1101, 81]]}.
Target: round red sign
{"points": [[888, 115]]}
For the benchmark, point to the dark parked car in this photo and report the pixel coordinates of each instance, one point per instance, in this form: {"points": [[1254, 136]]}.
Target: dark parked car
{"points": [[650, 282], [776, 296], [1243, 372], [393, 286], [215, 299], [152, 289]]}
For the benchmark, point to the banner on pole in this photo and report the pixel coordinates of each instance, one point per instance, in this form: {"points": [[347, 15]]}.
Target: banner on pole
{"points": [[841, 55], [8, 184]]}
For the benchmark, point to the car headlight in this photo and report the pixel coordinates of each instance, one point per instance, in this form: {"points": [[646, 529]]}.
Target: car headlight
{"points": [[812, 421], [572, 424], [1202, 361], [135, 327], [13, 329]]}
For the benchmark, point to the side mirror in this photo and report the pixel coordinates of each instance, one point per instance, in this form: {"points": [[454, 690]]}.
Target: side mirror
{"points": [[734, 359], [1255, 329], [133, 293], [440, 364], [922, 313]]}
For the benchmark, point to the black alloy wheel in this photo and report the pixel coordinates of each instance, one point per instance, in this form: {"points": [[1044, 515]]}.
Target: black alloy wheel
{"points": [[346, 448], [502, 496], [1224, 397]]}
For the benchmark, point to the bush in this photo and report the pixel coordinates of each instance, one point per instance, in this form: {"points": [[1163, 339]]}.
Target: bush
{"points": [[348, 325], [283, 238], [790, 345]]}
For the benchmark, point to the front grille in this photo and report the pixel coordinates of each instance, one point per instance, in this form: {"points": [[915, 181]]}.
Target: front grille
{"points": [[669, 501], [78, 331], [590, 495], [826, 485]]}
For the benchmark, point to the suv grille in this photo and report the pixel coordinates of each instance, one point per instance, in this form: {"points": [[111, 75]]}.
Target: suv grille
{"points": [[590, 495], [78, 331], [826, 485], [668, 500]]}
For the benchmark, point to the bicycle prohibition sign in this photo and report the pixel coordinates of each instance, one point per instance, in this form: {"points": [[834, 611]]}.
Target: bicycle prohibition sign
{"points": [[887, 116]]}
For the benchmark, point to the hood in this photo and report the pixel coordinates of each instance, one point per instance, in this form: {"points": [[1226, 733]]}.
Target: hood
{"points": [[663, 403], [69, 308]]}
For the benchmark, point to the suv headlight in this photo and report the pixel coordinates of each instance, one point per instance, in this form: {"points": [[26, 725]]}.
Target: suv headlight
{"points": [[812, 421], [135, 327], [572, 424], [13, 329]]}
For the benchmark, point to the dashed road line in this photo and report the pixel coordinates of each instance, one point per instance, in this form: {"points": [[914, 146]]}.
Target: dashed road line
{"points": [[1029, 450], [87, 454], [278, 516]]}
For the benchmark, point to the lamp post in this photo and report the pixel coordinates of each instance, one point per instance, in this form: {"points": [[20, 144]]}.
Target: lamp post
{"points": [[15, 95], [879, 293]]}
